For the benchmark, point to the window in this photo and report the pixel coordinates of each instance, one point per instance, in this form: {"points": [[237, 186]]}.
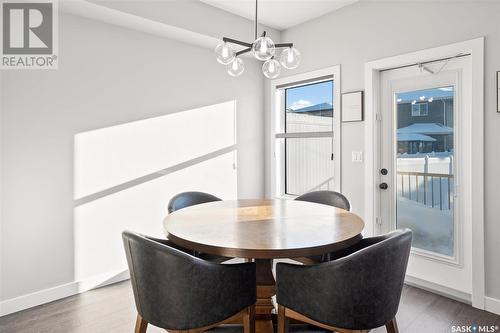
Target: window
{"points": [[305, 146], [308, 159], [419, 109]]}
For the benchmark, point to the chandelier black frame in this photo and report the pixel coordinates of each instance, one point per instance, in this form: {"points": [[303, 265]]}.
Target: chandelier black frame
{"points": [[249, 45], [270, 69]]}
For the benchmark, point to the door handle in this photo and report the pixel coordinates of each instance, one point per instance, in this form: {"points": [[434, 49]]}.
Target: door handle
{"points": [[383, 186]]}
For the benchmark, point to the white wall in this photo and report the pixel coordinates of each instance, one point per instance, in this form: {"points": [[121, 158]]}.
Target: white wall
{"points": [[192, 15], [107, 76], [125, 174], [370, 30]]}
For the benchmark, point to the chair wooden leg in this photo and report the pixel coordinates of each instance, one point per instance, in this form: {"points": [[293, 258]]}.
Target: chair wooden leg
{"points": [[141, 325], [392, 326], [249, 320], [282, 320]]}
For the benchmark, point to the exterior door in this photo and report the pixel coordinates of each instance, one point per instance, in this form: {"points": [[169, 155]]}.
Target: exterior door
{"points": [[424, 158]]}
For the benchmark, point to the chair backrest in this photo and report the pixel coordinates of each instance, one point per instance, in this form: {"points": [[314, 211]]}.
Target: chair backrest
{"points": [[359, 291], [330, 198], [174, 290], [186, 199]]}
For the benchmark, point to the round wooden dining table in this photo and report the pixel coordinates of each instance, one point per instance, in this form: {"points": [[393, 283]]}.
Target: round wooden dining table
{"points": [[261, 230]]}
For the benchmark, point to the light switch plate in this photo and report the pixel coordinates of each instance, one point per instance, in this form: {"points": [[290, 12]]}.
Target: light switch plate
{"points": [[357, 156]]}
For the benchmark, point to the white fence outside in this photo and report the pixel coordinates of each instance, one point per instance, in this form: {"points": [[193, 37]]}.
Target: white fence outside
{"points": [[309, 165]]}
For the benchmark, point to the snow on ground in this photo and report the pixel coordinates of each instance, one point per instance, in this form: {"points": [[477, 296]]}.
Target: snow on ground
{"points": [[433, 229]]}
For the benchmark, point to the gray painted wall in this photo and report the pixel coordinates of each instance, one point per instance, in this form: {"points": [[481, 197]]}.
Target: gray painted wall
{"points": [[192, 15], [107, 76], [370, 30]]}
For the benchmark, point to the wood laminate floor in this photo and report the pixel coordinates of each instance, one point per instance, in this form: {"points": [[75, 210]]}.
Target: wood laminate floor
{"points": [[111, 309]]}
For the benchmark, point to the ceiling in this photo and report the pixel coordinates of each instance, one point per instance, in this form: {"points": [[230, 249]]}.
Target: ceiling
{"points": [[280, 14]]}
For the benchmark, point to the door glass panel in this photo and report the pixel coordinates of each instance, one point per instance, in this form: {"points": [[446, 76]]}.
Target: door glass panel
{"points": [[425, 170]]}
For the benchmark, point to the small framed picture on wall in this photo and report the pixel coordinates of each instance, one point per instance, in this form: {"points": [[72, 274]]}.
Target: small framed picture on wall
{"points": [[498, 91], [352, 106]]}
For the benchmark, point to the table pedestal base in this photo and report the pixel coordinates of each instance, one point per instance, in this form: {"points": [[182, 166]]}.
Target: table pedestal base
{"points": [[266, 289]]}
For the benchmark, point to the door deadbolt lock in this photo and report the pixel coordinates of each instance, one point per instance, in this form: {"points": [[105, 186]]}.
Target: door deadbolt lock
{"points": [[384, 171]]}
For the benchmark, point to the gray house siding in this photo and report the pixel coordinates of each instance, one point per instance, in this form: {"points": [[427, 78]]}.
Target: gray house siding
{"points": [[436, 114]]}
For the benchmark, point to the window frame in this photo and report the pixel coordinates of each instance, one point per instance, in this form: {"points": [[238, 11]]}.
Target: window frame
{"points": [[276, 172], [414, 114]]}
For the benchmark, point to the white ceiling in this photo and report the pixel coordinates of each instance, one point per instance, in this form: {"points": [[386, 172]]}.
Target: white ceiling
{"points": [[280, 14]]}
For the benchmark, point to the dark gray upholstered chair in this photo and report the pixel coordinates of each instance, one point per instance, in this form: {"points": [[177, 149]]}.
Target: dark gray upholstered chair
{"points": [[355, 293], [186, 199], [330, 198], [179, 292]]}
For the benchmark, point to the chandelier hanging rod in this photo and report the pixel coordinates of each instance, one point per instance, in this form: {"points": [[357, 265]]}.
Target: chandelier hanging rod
{"points": [[255, 22], [249, 45]]}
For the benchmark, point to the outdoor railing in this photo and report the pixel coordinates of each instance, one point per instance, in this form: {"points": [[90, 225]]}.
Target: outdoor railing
{"points": [[412, 190]]}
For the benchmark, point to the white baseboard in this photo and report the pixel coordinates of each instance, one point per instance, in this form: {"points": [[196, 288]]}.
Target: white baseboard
{"points": [[51, 294], [438, 289], [492, 305]]}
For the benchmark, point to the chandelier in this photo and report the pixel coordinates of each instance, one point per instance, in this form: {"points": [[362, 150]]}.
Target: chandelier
{"points": [[263, 48]]}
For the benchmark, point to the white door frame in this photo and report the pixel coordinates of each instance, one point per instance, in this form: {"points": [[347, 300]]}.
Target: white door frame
{"points": [[475, 207]]}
